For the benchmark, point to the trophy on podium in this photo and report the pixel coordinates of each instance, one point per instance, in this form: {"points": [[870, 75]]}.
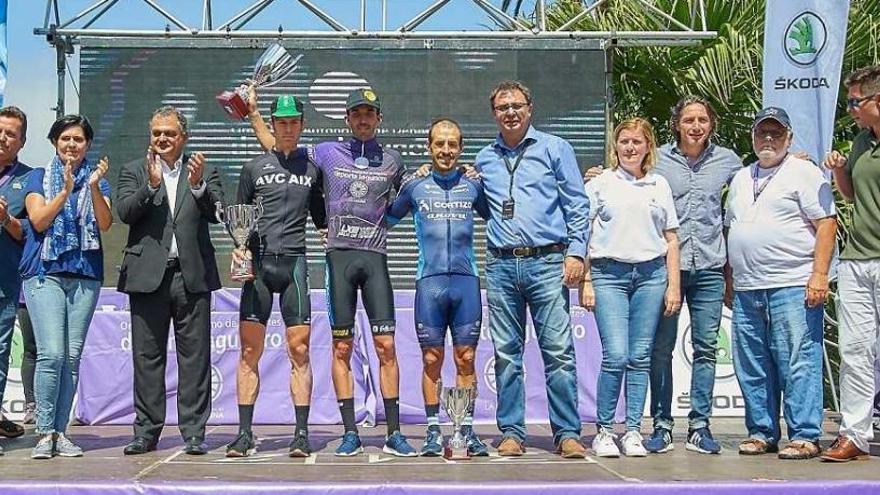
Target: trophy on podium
{"points": [[457, 402], [240, 222], [273, 66]]}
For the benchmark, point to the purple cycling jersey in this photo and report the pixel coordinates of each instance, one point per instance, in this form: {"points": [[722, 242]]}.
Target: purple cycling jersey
{"points": [[356, 195]]}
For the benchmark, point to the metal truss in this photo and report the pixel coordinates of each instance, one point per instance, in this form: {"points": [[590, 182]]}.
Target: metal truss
{"points": [[64, 30], [80, 25]]}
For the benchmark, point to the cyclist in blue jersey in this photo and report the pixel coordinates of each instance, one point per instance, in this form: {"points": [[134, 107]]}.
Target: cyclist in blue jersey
{"points": [[448, 286]]}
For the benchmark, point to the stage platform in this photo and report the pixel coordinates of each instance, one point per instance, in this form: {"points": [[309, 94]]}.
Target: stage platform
{"points": [[104, 470]]}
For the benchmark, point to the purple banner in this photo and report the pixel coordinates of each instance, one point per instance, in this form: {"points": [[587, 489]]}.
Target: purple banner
{"points": [[765, 487], [105, 391]]}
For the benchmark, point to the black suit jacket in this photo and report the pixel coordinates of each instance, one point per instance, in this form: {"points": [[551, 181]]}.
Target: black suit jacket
{"points": [[151, 223]]}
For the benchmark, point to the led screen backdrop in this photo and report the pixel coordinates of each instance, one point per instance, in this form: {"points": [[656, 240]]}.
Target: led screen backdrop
{"points": [[121, 86]]}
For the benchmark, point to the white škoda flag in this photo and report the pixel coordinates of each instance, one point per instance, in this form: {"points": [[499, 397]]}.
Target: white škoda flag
{"points": [[803, 53], [2, 50]]}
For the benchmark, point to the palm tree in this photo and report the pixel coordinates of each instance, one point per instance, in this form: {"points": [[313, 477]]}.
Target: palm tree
{"points": [[726, 70]]}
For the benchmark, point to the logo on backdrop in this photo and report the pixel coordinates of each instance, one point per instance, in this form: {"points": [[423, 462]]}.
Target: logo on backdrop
{"points": [[216, 383], [15, 355], [804, 39], [489, 374], [723, 355]]}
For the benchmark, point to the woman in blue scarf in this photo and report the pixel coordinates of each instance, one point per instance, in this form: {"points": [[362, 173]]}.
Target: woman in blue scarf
{"points": [[62, 268]]}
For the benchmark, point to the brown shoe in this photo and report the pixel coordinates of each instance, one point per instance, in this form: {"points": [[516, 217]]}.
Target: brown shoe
{"points": [[511, 447], [844, 450], [799, 449], [570, 448], [756, 446], [9, 429]]}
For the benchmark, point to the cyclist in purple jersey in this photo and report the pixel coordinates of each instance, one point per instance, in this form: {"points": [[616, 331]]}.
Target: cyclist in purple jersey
{"points": [[360, 177]]}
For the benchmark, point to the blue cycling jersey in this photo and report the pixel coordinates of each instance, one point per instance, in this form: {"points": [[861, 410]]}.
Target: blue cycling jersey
{"points": [[443, 209]]}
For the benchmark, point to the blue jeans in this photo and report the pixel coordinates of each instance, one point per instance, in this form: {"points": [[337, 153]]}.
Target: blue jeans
{"points": [[629, 302], [777, 350], [536, 282], [703, 290], [62, 308], [8, 308]]}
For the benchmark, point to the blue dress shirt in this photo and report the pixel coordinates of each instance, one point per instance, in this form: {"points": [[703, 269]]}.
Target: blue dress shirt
{"points": [[551, 205]]}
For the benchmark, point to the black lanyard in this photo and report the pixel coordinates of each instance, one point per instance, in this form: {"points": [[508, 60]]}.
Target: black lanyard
{"points": [[511, 169], [756, 191]]}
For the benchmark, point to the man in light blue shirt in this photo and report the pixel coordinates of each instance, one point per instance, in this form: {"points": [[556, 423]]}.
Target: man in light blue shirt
{"points": [[537, 233]]}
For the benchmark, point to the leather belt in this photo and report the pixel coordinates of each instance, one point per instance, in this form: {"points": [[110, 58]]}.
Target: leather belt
{"points": [[526, 251]]}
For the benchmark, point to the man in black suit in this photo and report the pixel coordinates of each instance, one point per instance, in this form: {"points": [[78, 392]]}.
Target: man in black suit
{"points": [[169, 271]]}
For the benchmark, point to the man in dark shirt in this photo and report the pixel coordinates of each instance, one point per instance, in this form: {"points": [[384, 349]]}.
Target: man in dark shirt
{"points": [[13, 178], [360, 177], [286, 185]]}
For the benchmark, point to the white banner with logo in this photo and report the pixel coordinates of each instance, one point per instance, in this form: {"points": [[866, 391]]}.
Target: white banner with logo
{"points": [[3, 57], [13, 398], [727, 399], [803, 53]]}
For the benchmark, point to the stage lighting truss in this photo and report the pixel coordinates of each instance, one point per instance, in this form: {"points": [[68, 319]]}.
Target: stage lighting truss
{"points": [[61, 30]]}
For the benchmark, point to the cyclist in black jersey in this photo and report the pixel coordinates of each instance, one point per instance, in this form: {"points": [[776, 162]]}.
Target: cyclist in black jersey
{"points": [[288, 185], [360, 177]]}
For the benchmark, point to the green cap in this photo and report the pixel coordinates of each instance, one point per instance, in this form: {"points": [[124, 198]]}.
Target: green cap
{"points": [[362, 96], [286, 106]]}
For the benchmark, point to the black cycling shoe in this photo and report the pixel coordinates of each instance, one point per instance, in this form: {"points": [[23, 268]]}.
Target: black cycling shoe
{"points": [[299, 446], [244, 445]]}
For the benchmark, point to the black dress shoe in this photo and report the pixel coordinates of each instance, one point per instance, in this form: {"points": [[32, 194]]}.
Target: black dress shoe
{"points": [[194, 446], [139, 445]]}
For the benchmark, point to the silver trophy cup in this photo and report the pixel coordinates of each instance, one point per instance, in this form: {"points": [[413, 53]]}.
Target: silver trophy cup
{"points": [[273, 66], [240, 222], [457, 402]]}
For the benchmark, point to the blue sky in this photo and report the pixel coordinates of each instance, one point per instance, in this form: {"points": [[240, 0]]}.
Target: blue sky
{"points": [[32, 79]]}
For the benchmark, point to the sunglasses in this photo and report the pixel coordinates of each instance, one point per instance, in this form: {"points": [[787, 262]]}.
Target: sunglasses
{"points": [[854, 103]]}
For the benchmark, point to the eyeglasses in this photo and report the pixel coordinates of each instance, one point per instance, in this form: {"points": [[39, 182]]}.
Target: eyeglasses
{"points": [[853, 103], [516, 107], [772, 134]]}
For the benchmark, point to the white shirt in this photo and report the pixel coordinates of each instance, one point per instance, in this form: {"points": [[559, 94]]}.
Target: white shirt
{"points": [[772, 240], [171, 177], [629, 216]]}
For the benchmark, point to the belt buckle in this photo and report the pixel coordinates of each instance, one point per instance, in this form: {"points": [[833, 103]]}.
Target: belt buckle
{"points": [[521, 252]]}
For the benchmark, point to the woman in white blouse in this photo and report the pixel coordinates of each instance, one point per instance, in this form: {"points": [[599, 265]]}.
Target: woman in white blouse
{"points": [[632, 276]]}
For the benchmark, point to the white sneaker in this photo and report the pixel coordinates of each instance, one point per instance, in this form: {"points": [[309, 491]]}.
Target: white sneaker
{"points": [[632, 445], [604, 444]]}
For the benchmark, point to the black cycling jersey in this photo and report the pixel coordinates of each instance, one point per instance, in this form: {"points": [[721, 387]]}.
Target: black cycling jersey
{"points": [[289, 188]]}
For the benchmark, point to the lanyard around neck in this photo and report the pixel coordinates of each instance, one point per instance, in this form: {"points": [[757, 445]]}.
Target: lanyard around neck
{"points": [[511, 169], [756, 191]]}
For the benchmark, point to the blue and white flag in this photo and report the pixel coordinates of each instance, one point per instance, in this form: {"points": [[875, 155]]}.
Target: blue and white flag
{"points": [[803, 53], [2, 50]]}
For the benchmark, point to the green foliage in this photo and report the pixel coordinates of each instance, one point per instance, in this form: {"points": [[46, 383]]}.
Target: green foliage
{"points": [[726, 70]]}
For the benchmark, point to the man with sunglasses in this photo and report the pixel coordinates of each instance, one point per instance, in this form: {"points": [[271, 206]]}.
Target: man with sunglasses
{"points": [[858, 178]]}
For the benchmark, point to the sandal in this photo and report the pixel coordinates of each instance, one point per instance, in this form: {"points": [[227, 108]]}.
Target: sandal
{"points": [[799, 449], [756, 446], [9, 429]]}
